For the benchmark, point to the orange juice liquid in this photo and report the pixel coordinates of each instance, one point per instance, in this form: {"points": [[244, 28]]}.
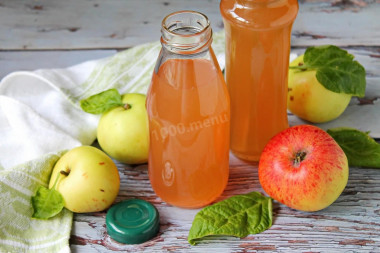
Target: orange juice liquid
{"points": [[257, 59], [188, 108]]}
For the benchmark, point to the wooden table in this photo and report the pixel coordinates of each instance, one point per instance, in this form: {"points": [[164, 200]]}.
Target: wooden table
{"points": [[50, 34]]}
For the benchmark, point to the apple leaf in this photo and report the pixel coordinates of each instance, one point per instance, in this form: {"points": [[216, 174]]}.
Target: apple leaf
{"points": [[361, 150], [102, 102], [336, 69], [238, 216], [46, 203]]}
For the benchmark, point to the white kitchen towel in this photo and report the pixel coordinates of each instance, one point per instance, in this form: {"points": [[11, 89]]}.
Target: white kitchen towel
{"points": [[39, 110], [18, 232], [40, 116]]}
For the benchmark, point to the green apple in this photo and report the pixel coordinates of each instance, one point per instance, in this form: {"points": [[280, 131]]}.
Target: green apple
{"points": [[89, 180], [123, 131], [309, 100]]}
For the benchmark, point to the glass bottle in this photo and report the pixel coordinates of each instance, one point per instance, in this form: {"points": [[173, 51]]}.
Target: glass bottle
{"points": [[257, 60], [189, 115]]}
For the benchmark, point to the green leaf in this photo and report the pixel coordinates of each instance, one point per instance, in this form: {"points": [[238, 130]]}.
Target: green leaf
{"points": [[46, 203], [101, 102], [238, 216], [335, 69], [361, 150]]}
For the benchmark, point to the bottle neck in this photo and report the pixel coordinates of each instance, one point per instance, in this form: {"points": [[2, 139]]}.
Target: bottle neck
{"points": [[186, 32]]}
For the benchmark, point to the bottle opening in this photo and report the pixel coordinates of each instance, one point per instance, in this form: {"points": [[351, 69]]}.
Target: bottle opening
{"points": [[186, 32], [185, 22]]}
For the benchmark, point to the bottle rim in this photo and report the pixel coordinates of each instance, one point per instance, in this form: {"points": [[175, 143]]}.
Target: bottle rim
{"points": [[167, 28], [197, 35]]}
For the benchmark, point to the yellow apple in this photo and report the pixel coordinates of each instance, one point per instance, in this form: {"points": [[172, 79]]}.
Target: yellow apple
{"points": [[309, 100], [89, 180], [123, 132]]}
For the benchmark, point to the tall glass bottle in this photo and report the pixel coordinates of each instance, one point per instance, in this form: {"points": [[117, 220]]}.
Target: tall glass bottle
{"points": [[257, 59], [189, 115]]}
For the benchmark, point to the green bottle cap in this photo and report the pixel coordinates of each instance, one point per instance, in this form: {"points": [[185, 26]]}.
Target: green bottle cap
{"points": [[132, 221]]}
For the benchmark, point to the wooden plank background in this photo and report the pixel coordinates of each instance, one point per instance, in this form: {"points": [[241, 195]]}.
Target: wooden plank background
{"points": [[50, 34], [115, 24]]}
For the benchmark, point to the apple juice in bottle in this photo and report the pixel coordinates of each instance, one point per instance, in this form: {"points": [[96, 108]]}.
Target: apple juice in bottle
{"points": [[189, 112], [257, 59]]}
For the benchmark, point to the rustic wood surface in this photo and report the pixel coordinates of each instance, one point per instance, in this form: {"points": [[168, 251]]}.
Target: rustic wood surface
{"points": [[50, 34]]}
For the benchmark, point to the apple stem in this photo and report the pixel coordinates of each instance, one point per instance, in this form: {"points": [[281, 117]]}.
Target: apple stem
{"points": [[56, 180], [301, 66], [299, 157], [66, 173], [127, 106]]}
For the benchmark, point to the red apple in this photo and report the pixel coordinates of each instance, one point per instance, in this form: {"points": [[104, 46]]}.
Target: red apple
{"points": [[304, 168]]}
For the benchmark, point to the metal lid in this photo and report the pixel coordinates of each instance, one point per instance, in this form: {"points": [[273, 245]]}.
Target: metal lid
{"points": [[132, 221]]}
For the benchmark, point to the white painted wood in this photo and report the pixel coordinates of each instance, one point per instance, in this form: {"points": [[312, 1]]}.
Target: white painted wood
{"points": [[31, 60], [72, 24], [346, 23], [350, 224], [89, 24]]}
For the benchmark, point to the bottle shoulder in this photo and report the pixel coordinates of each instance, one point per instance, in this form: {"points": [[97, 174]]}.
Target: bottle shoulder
{"points": [[259, 14]]}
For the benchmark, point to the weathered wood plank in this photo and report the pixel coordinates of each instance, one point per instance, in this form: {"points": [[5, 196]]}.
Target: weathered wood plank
{"points": [[350, 224], [71, 24], [31, 60], [342, 23], [89, 24]]}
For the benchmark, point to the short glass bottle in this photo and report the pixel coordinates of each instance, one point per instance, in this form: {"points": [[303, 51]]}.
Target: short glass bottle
{"points": [[189, 115]]}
